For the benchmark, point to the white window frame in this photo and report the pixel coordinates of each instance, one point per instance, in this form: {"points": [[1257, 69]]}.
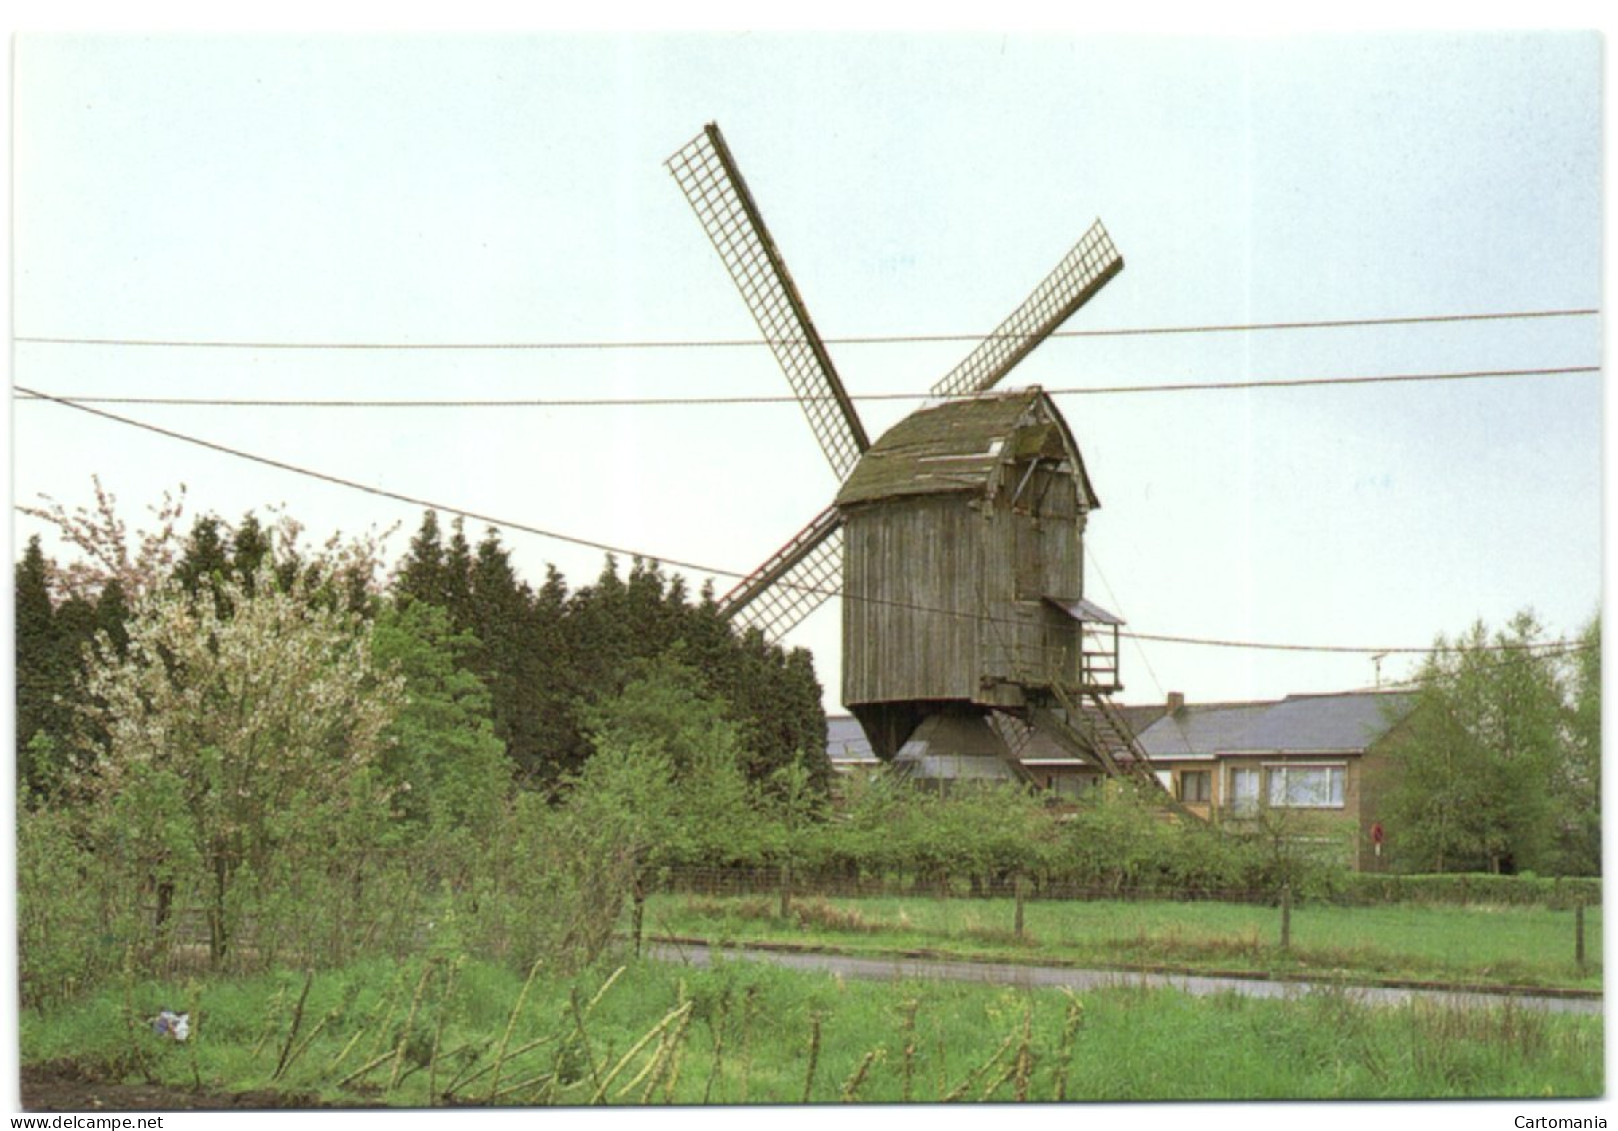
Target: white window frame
{"points": [[1208, 800], [1274, 769], [1237, 804]]}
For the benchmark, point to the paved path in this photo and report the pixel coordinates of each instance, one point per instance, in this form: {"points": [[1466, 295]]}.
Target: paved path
{"points": [[1014, 974]]}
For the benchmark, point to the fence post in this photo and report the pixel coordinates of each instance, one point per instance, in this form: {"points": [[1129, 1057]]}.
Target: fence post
{"points": [[786, 888], [1578, 933], [1017, 884], [639, 913], [1286, 916]]}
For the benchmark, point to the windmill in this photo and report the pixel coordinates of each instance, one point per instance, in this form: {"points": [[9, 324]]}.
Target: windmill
{"points": [[955, 538]]}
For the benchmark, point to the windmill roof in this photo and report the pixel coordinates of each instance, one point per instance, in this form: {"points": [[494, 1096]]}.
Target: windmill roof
{"points": [[957, 446]]}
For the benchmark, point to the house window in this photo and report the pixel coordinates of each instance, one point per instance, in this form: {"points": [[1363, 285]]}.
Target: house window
{"points": [[1306, 787], [1244, 790], [1072, 785], [1196, 785]]}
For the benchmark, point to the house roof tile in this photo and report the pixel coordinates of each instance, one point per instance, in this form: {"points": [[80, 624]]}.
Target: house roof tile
{"points": [[1297, 724]]}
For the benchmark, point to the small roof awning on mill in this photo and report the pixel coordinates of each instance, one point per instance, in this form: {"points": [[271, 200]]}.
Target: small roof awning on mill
{"points": [[1087, 612]]}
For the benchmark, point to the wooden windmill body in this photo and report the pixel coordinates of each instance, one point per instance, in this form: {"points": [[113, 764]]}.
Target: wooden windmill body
{"points": [[955, 540]]}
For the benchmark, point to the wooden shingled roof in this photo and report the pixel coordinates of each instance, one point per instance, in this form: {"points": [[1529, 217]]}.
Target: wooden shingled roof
{"points": [[958, 445]]}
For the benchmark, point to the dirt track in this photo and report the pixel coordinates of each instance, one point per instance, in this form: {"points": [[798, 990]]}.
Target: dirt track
{"points": [[61, 1085]]}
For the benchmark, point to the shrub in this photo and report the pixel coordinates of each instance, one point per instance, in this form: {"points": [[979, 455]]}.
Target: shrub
{"points": [[1556, 893], [552, 885], [70, 934]]}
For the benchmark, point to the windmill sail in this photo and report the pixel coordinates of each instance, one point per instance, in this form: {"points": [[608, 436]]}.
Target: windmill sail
{"points": [[793, 582], [1075, 281], [708, 176]]}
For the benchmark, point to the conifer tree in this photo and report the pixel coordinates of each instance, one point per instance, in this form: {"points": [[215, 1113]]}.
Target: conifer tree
{"points": [[38, 665], [250, 549], [501, 621], [458, 576], [112, 615], [553, 687], [206, 558], [420, 575]]}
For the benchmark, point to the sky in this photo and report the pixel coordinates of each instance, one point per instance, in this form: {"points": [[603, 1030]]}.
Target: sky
{"points": [[510, 190]]}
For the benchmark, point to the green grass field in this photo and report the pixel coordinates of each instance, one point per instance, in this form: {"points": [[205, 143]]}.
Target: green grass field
{"points": [[381, 1033], [1477, 945]]}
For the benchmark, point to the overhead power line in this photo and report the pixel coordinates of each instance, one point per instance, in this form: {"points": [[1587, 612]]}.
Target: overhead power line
{"points": [[605, 547], [1552, 646], [709, 401], [865, 340]]}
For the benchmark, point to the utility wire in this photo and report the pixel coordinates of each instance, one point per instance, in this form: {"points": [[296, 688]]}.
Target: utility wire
{"points": [[588, 543], [884, 339], [1555, 647], [645, 402]]}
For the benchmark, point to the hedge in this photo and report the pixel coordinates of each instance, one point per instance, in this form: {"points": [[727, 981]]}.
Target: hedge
{"points": [[1557, 893]]}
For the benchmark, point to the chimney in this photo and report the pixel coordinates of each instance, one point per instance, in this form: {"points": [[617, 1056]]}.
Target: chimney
{"points": [[1176, 702]]}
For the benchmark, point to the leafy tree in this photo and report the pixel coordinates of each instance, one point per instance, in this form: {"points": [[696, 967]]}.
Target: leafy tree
{"points": [[998, 830], [1576, 782], [224, 739], [1479, 754], [441, 759], [671, 755], [796, 806], [873, 815]]}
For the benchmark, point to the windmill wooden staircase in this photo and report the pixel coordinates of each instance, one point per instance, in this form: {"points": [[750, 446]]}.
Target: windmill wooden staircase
{"points": [[1093, 728]]}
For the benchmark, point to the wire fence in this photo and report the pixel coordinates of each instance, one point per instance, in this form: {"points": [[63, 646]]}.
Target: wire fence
{"points": [[1336, 887], [751, 880], [1235, 927]]}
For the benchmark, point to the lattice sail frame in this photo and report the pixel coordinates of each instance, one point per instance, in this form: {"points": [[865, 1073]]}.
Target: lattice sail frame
{"points": [[1076, 279], [795, 581], [707, 174]]}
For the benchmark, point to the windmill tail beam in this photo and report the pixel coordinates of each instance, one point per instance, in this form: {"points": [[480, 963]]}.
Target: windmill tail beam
{"points": [[1075, 281]]}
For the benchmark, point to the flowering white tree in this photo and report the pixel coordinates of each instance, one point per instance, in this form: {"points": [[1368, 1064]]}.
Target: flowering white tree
{"points": [[106, 551], [222, 741]]}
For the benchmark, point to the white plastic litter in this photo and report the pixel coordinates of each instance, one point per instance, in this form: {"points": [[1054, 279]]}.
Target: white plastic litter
{"points": [[176, 1026]]}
